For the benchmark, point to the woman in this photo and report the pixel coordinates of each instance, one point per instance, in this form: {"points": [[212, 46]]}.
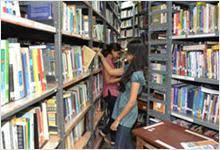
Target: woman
{"points": [[110, 88], [132, 82]]}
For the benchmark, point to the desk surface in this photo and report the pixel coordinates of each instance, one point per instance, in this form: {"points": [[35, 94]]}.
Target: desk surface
{"points": [[167, 135]]}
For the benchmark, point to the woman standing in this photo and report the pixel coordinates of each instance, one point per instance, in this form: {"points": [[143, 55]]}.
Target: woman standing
{"points": [[110, 89], [132, 82]]}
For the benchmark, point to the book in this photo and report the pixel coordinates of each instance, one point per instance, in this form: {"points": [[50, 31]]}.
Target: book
{"points": [[88, 55], [206, 144], [4, 66]]}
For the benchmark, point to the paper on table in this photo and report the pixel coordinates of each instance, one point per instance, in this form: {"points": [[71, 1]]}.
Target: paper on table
{"points": [[88, 55]]}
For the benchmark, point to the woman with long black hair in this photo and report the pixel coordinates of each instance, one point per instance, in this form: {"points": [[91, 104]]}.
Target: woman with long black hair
{"points": [[110, 89], [132, 82]]}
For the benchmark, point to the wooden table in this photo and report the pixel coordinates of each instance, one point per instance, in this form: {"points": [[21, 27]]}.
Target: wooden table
{"points": [[165, 135]]}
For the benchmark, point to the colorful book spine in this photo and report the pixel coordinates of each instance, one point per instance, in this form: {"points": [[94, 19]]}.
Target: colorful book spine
{"points": [[202, 18], [196, 102], [4, 67]]}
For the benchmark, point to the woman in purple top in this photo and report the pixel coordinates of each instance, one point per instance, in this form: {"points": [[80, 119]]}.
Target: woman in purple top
{"points": [[110, 89]]}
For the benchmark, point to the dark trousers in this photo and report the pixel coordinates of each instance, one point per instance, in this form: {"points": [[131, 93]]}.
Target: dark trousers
{"points": [[110, 101], [123, 138]]}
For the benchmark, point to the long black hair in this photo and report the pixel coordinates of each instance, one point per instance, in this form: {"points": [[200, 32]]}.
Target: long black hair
{"points": [[113, 46], [139, 50]]}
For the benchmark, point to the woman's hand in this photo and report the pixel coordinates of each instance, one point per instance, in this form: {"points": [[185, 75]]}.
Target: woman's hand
{"points": [[114, 125]]}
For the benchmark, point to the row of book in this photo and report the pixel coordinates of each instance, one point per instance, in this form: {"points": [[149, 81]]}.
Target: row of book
{"points": [[159, 18], [98, 32], [73, 21], [74, 100], [97, 85], [10, 7], [198, 129], [198, 102], [157, 106], [30, 129], [199, 60], [111, 36], [75, 135], [143, 21], [126, 23], [76, 60], [25, 69], [202, 18], [127, 13], [127, 33], [98, 6], [143, 6]]}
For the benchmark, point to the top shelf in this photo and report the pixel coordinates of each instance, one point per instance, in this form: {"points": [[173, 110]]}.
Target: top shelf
{"points": [[27, 23]]}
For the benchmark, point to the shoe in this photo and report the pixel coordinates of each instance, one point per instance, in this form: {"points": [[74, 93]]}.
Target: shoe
{"points": [[102, 133], [107, 140]]}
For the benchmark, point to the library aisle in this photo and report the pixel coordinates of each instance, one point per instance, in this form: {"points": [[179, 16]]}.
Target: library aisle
{"points": [[52, 79]]}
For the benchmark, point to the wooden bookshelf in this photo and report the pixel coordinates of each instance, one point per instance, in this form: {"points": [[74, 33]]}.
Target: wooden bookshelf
{"points": [[76, 80], [98, 117], [14, 107], [52, 143], [76, 120], [82, 142], [27, 23]]}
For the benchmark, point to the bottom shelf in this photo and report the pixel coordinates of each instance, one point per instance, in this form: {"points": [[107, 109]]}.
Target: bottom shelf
{"points": [[52, 143], [195, 120], [82, 142]]}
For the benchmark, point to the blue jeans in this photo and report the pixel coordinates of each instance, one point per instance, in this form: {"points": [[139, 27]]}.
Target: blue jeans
{"points": [[123, 138]]}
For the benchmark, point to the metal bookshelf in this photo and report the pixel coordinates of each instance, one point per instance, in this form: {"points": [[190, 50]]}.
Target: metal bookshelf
{"points": [[166, 58], [55, 35], [201, 81]]}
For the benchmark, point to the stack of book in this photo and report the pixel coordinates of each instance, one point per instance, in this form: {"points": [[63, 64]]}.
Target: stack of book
{"points": [[28, 130], [202, 18], [10, 7], [198, 102], [24, 69], [199, 60], [74, 100]]}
